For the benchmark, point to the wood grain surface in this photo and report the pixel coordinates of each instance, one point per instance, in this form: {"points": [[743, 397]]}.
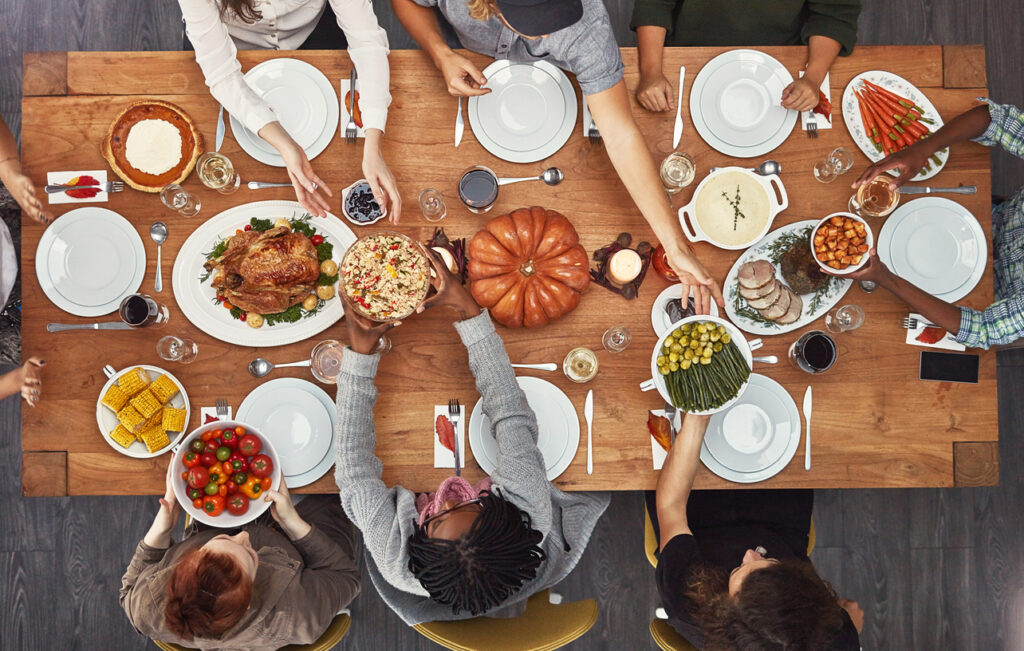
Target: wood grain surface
{"points": [[875, 424]]}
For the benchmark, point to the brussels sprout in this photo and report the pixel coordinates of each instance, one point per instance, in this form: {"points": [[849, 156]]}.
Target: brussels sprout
{"points": [[677, 333], [664, 370], [726, 338], [685, 364], [673, 357], [673, 366], [661, 360], [718, 346], [705, 360]]}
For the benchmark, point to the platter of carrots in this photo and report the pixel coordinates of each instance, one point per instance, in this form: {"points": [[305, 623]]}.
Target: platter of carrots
{"points": [[886, 113]]}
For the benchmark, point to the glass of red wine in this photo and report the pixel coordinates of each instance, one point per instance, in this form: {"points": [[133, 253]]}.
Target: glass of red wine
{"points": [[814, 352], [478, 189], [141, 311]]}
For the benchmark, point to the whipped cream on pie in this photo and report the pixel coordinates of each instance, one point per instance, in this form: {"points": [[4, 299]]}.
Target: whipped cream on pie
{"points": [[153, 146]]}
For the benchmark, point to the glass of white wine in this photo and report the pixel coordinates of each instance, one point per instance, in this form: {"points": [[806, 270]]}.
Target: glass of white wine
{"points": [[580, 365], [217, 173]]}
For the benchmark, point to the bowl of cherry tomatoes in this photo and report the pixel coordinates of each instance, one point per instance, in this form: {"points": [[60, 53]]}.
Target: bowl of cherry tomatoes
{"points": [[222, 471]]}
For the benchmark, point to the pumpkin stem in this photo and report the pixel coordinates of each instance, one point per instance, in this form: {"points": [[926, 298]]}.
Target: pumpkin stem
{"points": [[527, 268]]}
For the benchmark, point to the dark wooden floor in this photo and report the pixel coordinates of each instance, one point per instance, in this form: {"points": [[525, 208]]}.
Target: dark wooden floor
{"points": [[933, 569]]}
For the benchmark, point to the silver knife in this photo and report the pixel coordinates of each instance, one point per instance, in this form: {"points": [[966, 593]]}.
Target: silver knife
{"points": [[917, 189], [104, 325], [460, 126], [677, 133], [588, 413], [220, 129], [807, 417]]}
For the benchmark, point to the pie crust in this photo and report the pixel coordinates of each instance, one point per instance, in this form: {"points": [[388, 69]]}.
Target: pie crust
{"points": [[152, 109]]}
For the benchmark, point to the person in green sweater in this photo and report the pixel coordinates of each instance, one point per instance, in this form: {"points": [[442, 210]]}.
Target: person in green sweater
{"points": [[827, 27]]}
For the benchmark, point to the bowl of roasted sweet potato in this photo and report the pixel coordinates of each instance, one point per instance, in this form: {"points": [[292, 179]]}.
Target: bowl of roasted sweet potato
{"points": [[840, 243]]}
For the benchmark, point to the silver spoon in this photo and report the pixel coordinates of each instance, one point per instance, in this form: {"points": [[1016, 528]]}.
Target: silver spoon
{"points": [[551, 176], [158, 232], [768, 359], [259, 185], [260, 367], [769, 167], [538, 367]]}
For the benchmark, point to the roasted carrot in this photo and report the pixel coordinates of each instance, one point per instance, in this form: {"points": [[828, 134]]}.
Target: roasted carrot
{"points": [[902, 101], [869, 127], [875, 126], [901, 115], [888, 121]]}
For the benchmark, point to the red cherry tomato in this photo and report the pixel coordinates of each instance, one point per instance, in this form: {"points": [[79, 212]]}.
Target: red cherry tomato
{"points": [[238, 504], [265, 483], [248, 227], [242, 316], [212, 445], [232, 487], [240, 431], [198, 477], [223, 490], [197, 503], [184, 475], [261, 466], [249, 445], [208, 460], [210, 434], [191, 459], [317, 240]]}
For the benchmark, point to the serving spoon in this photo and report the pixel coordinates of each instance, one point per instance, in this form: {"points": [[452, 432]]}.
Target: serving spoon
{"points": [[158, 231], [551, 176], [260, 367], [768, 168], [549, 366]]}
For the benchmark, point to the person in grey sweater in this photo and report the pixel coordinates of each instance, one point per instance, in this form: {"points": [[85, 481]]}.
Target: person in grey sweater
{"points": [[463, 551]]}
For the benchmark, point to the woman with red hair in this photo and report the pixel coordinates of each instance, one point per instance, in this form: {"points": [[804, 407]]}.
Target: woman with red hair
{"points": [[270, 584]]}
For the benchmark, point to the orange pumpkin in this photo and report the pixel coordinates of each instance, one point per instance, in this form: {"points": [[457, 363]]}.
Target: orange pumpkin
{"points": [[528, 267]]}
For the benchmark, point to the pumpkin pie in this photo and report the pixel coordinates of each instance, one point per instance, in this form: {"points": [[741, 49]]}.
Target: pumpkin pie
{"points": [[151, 144]]}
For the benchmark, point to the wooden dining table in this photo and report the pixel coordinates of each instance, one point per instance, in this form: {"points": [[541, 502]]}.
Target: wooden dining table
{"points": [[875, 424]]}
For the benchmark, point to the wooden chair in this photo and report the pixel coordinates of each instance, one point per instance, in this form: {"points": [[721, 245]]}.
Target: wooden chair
{"points": [[334, 633], [544, 626], [662, 633]]}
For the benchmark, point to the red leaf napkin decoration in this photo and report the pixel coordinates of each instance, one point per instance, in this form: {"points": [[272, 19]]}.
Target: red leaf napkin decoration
{"points": [[931, 335], [210, 419], [84, 193], [824, 106], [658, 426], [445, 432]]}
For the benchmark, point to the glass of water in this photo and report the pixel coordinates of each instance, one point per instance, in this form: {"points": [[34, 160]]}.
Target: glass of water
{"points": [[177, 349], [616, 339], [178, 198], [838, 162], [677, 171], [432, 205], [845, 318]]}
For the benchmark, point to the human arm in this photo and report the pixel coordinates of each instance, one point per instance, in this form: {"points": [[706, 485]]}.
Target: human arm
{"points": [[676, 478], [19, 185], [653, 92], [25, 380], [153, 546], [379, 176], [628, 152], [803, 93], [460, 76]]}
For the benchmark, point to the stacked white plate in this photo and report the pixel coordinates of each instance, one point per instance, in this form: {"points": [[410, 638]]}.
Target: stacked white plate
{"points": [[756, 437], [558, 435], [529, 113], [299, 418], [935, 244], [303, 100], [89, 260], [735, 103]]}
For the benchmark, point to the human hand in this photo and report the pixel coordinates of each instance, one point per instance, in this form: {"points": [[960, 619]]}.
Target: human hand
{"points": [[169, 511], [29, 380], [908, 161], [304, 180], [283, 511], [801, 95], [874, 270], [382, 182], [654, 93], [450, 290], [853, 609], [363, 334], [21, 188], [461, 76], [693, 274]]}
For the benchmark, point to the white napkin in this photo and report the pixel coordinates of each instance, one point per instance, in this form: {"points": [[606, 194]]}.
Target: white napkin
{"points": [[63, 178], [212, 413], [443, 457], [343, 90], [658, 453], [818, 117], [946, 343]]}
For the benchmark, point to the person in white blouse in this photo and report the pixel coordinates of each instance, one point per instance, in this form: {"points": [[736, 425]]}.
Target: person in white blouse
{"points": [[217, 28]]}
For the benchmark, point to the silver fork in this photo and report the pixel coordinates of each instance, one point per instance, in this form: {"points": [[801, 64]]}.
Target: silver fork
{"points": [[109, 186], [222, 409], [812, 125], [454, 413], [350, 128], [593, 135], [911, 323], [670, 414]]}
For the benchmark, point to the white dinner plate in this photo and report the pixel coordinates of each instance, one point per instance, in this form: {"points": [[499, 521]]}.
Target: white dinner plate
{"points": [[303, 100], [902, 87], [298, 417], [88, 260], [107, 421], [756, 437], [935, 244], [197, 298], [558, 435], [660, 320], [529, 113], [770, 248], [735, 103]]}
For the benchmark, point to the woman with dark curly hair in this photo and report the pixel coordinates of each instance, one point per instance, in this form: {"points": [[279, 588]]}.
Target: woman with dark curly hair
{"points": [[733, 571]]}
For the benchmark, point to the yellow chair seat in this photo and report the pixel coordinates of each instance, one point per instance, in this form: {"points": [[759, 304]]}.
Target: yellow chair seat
{"points": [[668, 638], [334, 633], [542, 627]]}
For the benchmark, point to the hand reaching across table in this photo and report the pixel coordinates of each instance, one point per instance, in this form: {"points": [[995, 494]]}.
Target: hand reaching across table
{"points": [[693, 274], [19, 185], [654, 92], [307, 184], [462, 78], [378, 175], [450, 290], [363, 334], [25, 380]]}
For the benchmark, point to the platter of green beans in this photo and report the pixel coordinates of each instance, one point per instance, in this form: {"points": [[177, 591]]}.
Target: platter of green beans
{"points": [[701, 366]]}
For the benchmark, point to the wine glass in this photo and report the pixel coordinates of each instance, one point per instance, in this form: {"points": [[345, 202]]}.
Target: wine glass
{"points": [[844, 319], [432, 205], [141, 311], [178, 198], [616, 339], [677, 171], [177, 349], [217, 173], [838, 162]]}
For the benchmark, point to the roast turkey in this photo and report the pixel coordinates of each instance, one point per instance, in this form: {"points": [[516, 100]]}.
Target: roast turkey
{"points": [[266, 272]]}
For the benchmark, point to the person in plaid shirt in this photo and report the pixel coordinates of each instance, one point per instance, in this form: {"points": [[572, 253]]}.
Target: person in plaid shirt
{"points": [[1003, 321]]}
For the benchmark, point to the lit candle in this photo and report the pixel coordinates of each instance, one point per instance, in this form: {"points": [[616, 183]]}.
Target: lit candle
{"points": [[624, 266]]}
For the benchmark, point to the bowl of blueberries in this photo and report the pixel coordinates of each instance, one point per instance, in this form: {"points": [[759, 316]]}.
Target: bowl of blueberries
{"points": [[359, 206]]}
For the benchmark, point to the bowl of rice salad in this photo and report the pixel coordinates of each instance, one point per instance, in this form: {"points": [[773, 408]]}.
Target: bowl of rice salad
{"points": [[385, 275]]}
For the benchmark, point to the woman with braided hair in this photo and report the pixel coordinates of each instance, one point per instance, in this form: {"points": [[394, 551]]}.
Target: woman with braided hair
{"points": [[463, 550]]}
